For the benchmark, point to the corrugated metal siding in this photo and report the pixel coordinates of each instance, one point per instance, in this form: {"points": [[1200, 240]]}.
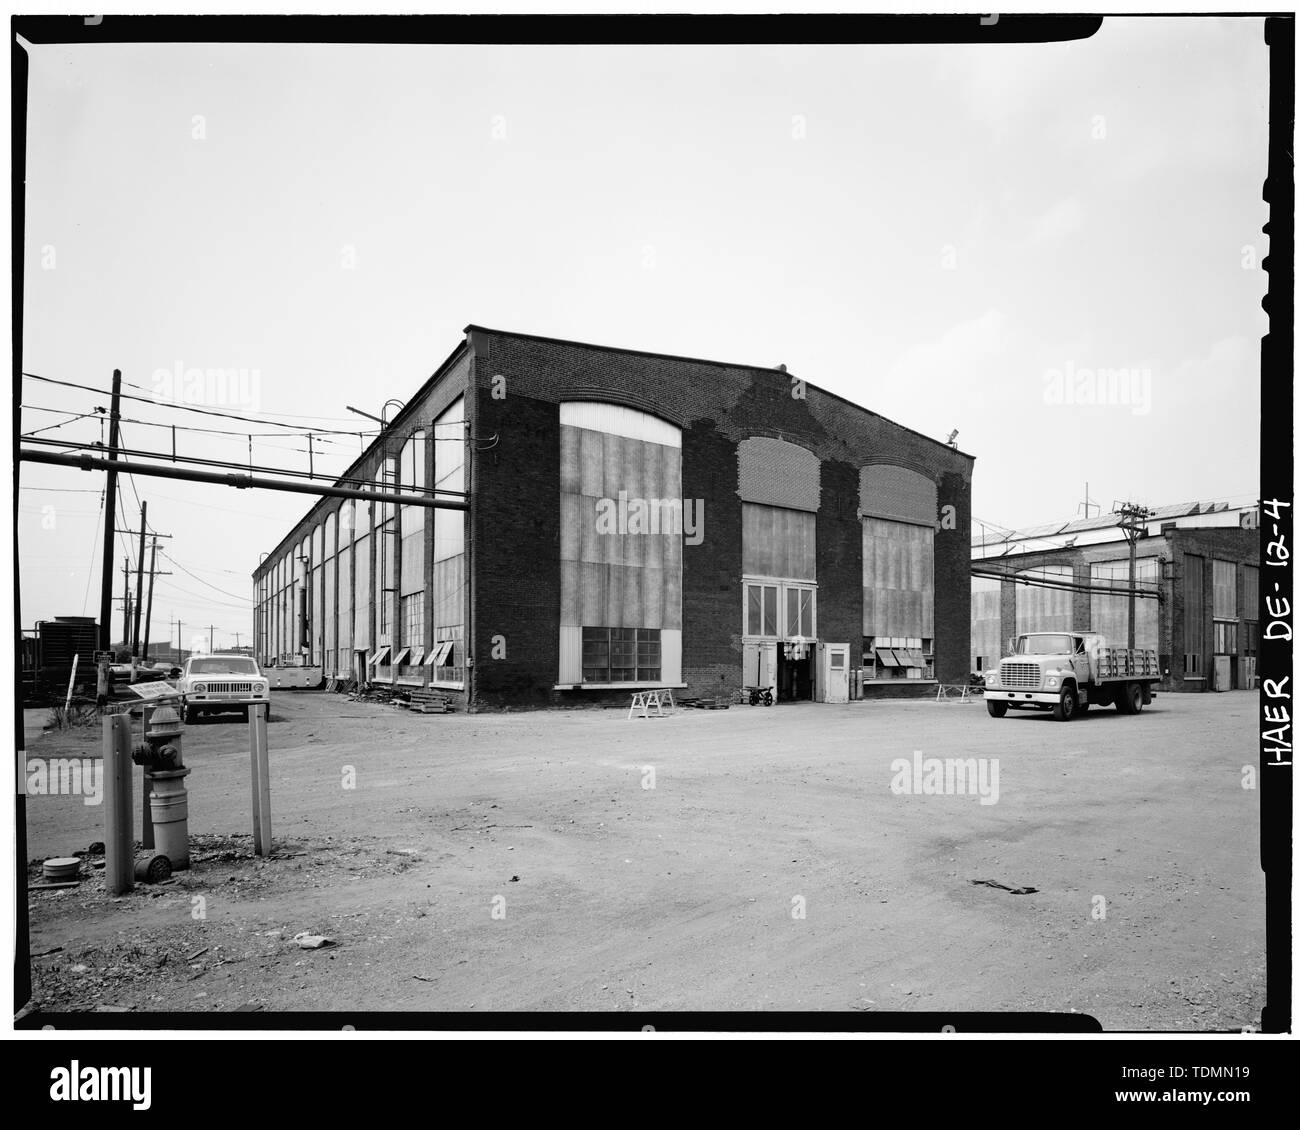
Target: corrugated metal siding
{"points": [[777, 473], [1045, 610], [898, 493], [897, 579], [611, 575], [777, 542], [1109, 614], [1225, 590], [570, 654], [986, 621]]}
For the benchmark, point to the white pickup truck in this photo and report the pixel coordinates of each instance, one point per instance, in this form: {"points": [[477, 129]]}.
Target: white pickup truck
{"points": [[1067, 672]]}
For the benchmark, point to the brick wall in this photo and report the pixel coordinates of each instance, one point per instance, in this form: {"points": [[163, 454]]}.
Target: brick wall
{"points": [[515, 520]]}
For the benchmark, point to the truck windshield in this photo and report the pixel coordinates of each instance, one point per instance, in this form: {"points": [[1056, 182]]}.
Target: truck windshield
{"points": [[1045, 645], [233, 666]]}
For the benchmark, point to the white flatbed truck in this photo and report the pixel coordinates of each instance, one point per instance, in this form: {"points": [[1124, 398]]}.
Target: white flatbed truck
{"points": [[1067, 672]]}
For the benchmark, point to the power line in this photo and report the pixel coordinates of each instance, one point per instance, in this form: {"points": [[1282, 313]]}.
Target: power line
{"points": [[94, 549], [191, 428], [201, 581], [75, 416], [299, 428]]}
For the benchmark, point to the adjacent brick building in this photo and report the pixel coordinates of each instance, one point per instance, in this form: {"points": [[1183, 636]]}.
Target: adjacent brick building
{"points": [[1197, 574], [635, 520]]}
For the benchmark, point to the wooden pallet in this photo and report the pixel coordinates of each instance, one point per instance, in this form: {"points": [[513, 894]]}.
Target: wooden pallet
{"points": [[424, 701]]}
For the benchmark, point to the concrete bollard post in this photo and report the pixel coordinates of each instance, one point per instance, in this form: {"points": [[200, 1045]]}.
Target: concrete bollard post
{"points": [[119, 838], [260, 765]]}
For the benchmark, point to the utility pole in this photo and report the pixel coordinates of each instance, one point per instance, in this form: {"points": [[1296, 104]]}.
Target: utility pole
{"points": [[211, 646], [139, 579], [153, 560], [132, 638], [1087, 504], [1132, 520], [126, 602], [110, 510]]}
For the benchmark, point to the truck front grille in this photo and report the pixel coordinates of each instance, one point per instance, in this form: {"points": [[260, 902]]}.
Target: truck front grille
{"points": [[1020, 675], [230, 688]]}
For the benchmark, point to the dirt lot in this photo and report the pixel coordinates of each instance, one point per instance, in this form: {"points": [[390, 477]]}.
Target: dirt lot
{"points": [[683, 896]]}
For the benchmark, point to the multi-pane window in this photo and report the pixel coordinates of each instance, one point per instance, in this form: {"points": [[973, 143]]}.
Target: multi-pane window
{"points": [[760, 619], [1250, 637], [385, 551], [1225, 590], [1250, 610], [447, 597], [621, 655], [897, 657], [799, 612], [412, 549], [780, 611], [412, 633]]}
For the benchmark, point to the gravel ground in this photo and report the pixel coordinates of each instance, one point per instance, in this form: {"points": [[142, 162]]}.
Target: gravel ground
{"points": [[518, 861]]}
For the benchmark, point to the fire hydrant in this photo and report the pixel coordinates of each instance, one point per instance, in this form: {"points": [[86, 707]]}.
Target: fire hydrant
{"points": [[165, 775]]}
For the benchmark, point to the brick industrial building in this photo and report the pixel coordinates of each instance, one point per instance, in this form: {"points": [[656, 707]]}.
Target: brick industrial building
{"points": [[634, 520], [1197, 572]]}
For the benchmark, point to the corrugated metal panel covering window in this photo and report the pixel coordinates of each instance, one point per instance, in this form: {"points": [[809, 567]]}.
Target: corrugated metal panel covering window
{"points": [[1225, 590], [777, 542], [897, 579], [778, 473], [1040, 609], [885, 491], [1109, 614]]}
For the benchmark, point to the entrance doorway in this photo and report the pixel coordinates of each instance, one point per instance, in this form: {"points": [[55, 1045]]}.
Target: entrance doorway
{"points": [[795, 673]]}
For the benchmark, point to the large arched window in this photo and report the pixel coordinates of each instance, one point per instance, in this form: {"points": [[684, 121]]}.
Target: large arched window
{"points": [[411, 610], [899, 509], [446, 657], [622, 518]]}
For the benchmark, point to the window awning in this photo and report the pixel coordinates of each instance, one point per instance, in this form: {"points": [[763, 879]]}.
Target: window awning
{"points": [[911, 657], [886, 656], [441, 656], [417, 658], [401, 657], [377, 660]]}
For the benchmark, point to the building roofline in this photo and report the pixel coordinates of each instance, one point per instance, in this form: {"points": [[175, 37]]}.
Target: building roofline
{"points": [[383, 435], [719, 365]]}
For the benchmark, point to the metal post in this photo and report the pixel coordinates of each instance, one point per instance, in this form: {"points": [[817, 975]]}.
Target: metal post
{"points": [[260, 765], [119, 847], [146, 791]]}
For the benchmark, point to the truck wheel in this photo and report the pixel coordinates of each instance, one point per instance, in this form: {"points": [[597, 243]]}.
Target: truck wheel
{"points": [[188, 715], [996, 709], [1065, 710], [1132, 698]]}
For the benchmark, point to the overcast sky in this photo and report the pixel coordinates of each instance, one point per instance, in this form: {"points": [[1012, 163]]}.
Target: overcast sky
{"points": [[945, 235]]}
